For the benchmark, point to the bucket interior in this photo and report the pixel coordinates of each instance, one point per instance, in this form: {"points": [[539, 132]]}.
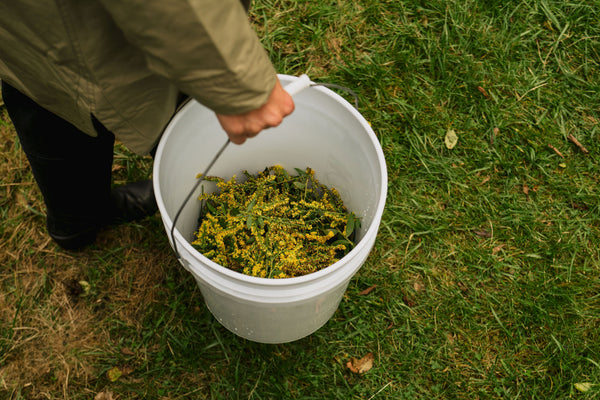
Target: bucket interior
{"points": [[324, 133]]}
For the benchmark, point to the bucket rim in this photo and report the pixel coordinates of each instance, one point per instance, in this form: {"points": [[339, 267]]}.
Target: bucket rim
{"points": [[371, 231]]}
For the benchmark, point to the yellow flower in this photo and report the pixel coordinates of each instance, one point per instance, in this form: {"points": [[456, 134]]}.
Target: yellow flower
{"points": [[272, 225]]}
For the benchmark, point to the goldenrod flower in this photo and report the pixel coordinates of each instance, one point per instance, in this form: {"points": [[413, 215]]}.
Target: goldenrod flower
{"points": [[274, 225]]}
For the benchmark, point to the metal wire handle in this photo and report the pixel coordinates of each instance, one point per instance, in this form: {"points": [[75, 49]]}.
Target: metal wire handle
{"points": [[187, 198]]}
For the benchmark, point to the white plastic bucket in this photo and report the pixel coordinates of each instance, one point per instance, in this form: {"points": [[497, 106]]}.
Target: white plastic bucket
{"points": [[324, 133]]}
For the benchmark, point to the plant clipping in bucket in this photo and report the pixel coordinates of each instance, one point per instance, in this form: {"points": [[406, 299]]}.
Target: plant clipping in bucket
{"points": [[274, 225]]}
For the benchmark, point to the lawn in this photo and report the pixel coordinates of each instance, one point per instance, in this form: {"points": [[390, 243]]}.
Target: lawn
{"points": [[484, 282]]}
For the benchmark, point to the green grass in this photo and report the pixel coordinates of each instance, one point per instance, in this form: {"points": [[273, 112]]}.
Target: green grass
{"points": [[487, 263]]}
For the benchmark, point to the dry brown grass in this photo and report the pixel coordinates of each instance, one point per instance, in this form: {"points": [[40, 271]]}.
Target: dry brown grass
{"points": [[51, 328]]}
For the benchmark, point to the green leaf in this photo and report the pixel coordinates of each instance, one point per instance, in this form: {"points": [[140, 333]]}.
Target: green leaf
{"points": [[210, 207], [251, 205], [350, 224], [299, 185], [276, 272], [357, 224], [249, 221]]}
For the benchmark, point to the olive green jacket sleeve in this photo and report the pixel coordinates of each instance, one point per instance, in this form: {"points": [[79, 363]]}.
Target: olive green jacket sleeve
{"points": [[206, 48], [126, 61]]}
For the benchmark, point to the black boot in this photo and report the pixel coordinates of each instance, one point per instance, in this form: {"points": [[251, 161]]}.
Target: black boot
{"points": [[71, 236], [128, 203], [133, 202]]}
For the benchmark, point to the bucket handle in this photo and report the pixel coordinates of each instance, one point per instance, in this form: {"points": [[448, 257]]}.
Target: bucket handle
{"points": [[293, 88]]}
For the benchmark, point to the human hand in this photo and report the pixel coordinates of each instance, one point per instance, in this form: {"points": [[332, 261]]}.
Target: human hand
{"points": [[242, 126]]}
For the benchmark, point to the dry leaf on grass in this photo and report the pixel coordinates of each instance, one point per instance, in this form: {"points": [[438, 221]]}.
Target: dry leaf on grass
{"points": [[418, 286], [483, 92], [451, 139], [126, 351], [556, 151], [483, 233], [104, 396], [367, 290], [576, 142], [583, 386], [361, 366], [498, 248]]}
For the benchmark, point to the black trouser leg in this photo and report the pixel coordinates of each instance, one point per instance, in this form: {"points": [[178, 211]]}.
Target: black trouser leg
{"points": [[72, 169]]}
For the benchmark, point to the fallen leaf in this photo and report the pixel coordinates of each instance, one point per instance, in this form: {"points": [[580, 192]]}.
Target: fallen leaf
{"points": [[556, 151], [583, 386], [127, 351], [104, 396], [418, 286], [498, 248], [483, 233], [361, 366], [574, 140], [483, 92], [113, 374], [485, 180], [367, 290], [451, 139], [526, 190]]}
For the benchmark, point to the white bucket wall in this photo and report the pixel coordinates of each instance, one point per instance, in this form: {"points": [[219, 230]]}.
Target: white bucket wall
{"points": [[324, 133]]}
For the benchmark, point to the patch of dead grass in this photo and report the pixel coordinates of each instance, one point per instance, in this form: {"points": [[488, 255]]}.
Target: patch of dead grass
{"points": [[51, 330]]}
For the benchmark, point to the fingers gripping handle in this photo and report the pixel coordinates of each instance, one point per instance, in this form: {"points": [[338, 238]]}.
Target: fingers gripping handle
{"points": [[298, 85]]}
